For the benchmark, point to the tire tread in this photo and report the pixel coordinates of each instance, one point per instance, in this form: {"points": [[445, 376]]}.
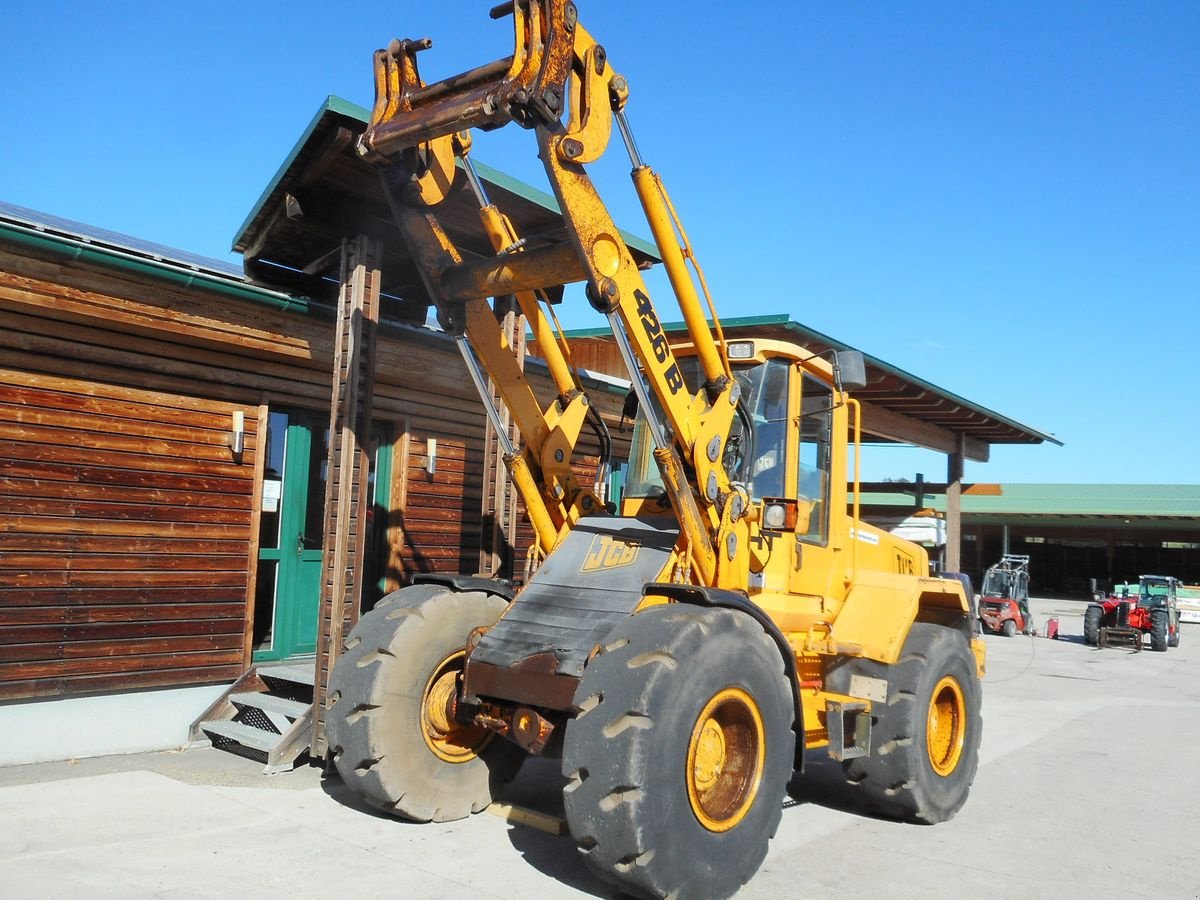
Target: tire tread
{"points": [[611, 809], [891, 781]]}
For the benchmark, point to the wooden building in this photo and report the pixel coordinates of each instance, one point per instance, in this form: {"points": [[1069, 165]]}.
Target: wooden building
{"points": [[164, 455]]}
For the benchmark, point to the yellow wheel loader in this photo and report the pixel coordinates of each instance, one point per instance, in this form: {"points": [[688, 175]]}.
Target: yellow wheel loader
{"points": [[683, 653]]}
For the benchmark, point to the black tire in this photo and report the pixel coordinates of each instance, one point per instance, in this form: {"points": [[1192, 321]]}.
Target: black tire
{"points": [[1091, 624], [378, 725], [1173, 641], [917, 772], [1160, 622], [648, 708], [1009, 628]]}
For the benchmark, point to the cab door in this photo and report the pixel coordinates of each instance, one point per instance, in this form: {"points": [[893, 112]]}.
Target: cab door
{"points": [[815, 563]]}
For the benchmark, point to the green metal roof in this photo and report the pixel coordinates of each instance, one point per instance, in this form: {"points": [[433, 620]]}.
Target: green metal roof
{"points": [[1080, 500], [808, 334], [888, 386], [332, 104], [77, 242]]}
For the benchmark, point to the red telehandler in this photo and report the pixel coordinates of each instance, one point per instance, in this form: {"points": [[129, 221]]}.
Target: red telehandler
{"points": [[1125, 617]]}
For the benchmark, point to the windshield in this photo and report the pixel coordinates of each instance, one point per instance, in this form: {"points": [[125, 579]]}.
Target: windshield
{"points": [[995, 583], [756, 457], [1010, 583], [1153, 594]]}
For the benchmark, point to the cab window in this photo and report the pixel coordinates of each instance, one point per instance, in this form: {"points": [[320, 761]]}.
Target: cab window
{"points": [[765, 391], [812, 483]]}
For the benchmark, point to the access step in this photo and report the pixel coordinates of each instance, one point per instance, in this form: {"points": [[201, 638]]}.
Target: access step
{"points": [[269, 703], [247, 736], [266, 715], [299, 673]]}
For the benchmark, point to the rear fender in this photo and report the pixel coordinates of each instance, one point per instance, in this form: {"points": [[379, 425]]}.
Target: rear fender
{"points": [[881, 607], [463, 583]]}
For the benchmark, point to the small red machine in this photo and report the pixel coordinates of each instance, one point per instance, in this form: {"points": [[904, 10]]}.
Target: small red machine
{"points": [[1004, 598], [1132, 611]]}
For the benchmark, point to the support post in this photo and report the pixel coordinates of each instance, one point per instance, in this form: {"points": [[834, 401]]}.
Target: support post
{"points": [[954, 476], [349, 464]]}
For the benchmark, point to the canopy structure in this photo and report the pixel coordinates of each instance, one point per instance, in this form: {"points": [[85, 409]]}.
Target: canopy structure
{"points": [[325, 193], [898, 407]]}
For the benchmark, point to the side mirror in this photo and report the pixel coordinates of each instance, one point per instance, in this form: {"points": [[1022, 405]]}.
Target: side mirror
{"points": [[850, 370]]}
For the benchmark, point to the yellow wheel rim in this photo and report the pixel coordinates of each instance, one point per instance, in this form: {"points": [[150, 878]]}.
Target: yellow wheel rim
{"points": [[946, 726], [449, 740], [725, 760]]}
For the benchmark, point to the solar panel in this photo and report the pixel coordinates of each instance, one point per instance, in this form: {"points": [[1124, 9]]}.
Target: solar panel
{"points": [[114, 240]]}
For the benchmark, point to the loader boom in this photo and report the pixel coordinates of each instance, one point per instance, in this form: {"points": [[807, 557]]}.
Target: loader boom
{"points": [[414, 131]]}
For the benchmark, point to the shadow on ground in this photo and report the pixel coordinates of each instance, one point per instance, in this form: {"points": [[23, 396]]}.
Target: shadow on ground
{"points": [[336, 790], [557, 857], [538, 786], [824, 784]]}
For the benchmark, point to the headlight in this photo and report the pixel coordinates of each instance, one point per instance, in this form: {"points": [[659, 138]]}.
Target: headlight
{"points": [[741, 350]]}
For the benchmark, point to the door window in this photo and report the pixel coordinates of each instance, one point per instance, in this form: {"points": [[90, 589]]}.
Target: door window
{"points": [[766, 391], [270, 521], [812, 483], [292, 504]]}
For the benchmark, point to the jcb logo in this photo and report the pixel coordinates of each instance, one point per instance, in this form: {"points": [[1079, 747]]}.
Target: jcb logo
{"points": [[905, 564], [658, 341], [608, 552]]}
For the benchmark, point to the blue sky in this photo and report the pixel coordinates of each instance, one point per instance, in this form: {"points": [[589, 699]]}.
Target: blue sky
{"points": [[1002, 198]]}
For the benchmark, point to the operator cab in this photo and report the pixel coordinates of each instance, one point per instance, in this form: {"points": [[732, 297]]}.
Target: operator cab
{"points": [[776, 389], [1012, 584], [1156, 591]]}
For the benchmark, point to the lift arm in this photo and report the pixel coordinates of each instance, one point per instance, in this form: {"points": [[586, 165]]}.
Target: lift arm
{"points": [[557, 68]]}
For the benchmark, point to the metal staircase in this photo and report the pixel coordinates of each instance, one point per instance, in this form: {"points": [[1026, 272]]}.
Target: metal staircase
{"points": [[266, 715]]}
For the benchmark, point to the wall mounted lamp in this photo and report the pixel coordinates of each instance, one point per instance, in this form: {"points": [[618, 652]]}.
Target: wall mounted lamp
{"points": [[431, 455], [237, 435]]}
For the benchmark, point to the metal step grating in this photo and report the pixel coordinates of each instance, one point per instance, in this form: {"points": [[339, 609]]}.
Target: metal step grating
{"points": [[246, 735], [298, 672], [270, 703], [255, 718], [265, 716]]}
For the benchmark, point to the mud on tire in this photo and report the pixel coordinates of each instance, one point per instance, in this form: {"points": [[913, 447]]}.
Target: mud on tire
{"points": [[667, 793], [925, 740], [378, 724]]}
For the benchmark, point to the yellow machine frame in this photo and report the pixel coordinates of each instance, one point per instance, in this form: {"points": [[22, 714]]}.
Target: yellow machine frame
{"points": [[872, 587]]}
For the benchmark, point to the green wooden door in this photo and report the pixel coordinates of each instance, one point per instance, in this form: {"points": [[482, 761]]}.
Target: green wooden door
{"points": [[291, 536]]}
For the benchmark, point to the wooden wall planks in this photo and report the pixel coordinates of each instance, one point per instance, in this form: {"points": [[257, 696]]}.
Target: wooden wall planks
{"points": [[128, 530], [114, 593]]}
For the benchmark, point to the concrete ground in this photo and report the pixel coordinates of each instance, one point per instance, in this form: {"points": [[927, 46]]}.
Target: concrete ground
{"points": [[1088, 787]]}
